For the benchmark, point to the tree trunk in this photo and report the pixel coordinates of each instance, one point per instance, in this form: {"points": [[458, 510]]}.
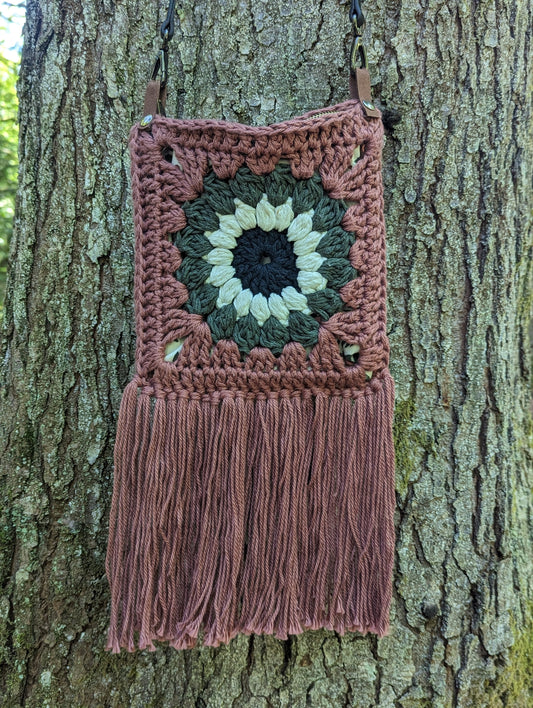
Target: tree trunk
{"points": [[456, 86]]}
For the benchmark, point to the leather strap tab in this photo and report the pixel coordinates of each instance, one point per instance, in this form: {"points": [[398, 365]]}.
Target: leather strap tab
{"points": [[360, 89], [154, 99], [151, 98]]}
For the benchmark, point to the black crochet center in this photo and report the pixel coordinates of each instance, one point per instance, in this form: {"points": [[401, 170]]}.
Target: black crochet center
{"points": [[264, 261]]}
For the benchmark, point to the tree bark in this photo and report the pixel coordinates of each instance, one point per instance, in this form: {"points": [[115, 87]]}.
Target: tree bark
{"points": [[456, 88]]}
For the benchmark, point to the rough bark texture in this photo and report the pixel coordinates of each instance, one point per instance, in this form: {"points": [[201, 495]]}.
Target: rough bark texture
{"points": [[457, 87]]}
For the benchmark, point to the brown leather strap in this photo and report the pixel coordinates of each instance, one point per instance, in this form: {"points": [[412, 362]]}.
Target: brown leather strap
{"points": [[154, 98], [156, 91], [360, 89]]}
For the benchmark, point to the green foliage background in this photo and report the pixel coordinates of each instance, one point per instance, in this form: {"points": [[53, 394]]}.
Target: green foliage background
{"points": [[8, 154]]}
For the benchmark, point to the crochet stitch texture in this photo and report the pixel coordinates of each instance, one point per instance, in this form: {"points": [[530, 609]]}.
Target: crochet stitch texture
{"points": [[254, 466]]}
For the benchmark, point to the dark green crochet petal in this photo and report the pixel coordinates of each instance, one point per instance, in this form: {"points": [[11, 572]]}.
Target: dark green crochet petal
{"points": [[193, 271], [218, 194], [325, 303], [192, 243], [328, 213], [337, 272], [246, 333], [303, 329], [307, 192], [247, 187], [221, 322], [200, 215], [279, 184], [336, 243], [203, 300], [274, 336]]}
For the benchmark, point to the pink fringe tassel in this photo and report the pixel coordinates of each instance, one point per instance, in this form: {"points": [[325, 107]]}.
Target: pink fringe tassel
{"points": [[269, 516]]}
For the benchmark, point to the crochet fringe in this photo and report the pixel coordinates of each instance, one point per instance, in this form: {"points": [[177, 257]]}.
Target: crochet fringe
{"points": [[269, 516]]}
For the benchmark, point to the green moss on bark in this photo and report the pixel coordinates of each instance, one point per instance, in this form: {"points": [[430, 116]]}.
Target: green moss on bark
{"points": [[409, 443], [514, 685]]}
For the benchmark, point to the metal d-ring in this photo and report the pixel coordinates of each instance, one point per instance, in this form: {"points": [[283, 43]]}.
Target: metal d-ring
{"points": [[358, 53], [161, 66]]}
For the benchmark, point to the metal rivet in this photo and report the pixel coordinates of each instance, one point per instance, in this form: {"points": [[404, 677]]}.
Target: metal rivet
{"points": [[369, 105], [146, 120]]}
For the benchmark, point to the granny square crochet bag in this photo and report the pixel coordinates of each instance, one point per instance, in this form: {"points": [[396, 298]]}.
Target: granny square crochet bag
{"points": [[254, 464]]}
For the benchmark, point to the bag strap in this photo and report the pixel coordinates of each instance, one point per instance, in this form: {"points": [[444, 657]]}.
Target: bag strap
{"points": [[156, 90], [155, 96], [359, 75]]}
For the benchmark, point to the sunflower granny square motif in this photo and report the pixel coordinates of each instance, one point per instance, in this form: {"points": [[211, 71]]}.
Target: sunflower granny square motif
{"points": [[264, 257], [261, 250]]}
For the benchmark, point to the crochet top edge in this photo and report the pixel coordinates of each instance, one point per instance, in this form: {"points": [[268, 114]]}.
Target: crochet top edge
{"points": [[333, 114]]}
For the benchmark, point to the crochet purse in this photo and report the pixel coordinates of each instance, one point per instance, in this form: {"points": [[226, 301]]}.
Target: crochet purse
{"points": [[254, 464]]}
